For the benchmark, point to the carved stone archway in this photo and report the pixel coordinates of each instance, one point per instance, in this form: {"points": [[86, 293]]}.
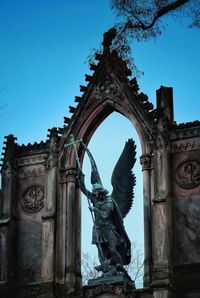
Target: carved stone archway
{"points": [[40, 208], [108, 90]]}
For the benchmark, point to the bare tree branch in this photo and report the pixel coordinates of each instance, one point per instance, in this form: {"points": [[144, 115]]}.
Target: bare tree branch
{"points": [[134, 269], [139, 20], [163, 11]]}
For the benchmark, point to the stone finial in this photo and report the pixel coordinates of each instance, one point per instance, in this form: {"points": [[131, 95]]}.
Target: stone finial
{"points": [[9, 146], [7, 162], [51, 160], [165, 102], [108, 38]]}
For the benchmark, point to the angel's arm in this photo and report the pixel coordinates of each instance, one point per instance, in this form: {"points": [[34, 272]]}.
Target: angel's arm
{"points": [[81, 183]]}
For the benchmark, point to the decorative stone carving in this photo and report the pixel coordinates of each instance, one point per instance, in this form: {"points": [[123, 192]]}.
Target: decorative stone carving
{"points": [[33, 198], [31, 172], [71, 175], [160, 197], [108, 88], [120, 290], [185, 146], [188, 174], [31, 160], [145, 161], [162, 133], [52, 159], [7, 170]]}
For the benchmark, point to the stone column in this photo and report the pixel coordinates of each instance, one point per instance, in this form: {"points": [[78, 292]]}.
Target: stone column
{"points": [[71, 231], [48, 216], [78, 242], [162, 218], [8, 208], [146, 162], [4, 245], [60, 259], [48, 225]]}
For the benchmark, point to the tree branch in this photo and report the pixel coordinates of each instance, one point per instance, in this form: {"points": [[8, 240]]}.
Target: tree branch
{"points": [[158, 14]]}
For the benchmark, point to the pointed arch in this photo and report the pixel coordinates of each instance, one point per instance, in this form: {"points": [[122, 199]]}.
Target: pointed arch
{"points": [[108, 91]]}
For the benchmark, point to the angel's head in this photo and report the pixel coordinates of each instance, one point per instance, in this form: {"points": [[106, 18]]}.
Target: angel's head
{"points": [[99, 192]]}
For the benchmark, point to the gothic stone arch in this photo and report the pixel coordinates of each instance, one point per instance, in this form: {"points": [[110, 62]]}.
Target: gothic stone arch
{"points": [[110, 90], [40, 199]]}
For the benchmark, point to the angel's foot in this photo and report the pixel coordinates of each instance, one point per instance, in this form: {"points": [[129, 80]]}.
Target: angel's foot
{"points": [[104, 267], [99, 267]]}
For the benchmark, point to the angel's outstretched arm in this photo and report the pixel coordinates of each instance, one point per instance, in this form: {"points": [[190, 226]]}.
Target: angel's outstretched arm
{"points": [[81, 183]]}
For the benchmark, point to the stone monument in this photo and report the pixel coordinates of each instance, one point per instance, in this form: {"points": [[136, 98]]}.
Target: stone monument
{"points": [[40, 205]]}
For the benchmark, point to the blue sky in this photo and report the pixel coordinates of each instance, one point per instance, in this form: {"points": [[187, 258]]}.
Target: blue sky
{"points": [[44, 47]]}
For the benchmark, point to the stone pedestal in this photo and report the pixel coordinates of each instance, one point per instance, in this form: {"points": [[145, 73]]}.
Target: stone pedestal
{"points": [[118, 287]]}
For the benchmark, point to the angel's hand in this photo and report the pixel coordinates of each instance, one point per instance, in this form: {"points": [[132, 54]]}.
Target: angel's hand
{"points": [[80, 175]]}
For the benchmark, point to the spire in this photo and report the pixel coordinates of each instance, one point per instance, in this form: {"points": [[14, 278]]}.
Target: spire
{"points": [[107, 39]]}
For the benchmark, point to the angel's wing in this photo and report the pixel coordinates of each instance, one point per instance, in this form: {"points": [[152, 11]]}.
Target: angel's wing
{"points": [[123, 179]]}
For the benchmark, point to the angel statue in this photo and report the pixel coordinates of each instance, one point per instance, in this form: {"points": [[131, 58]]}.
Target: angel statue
{"points": [[108, 211]]}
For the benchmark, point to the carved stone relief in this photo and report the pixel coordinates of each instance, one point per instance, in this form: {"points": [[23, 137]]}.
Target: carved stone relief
{"points": [[146, 162], [108, 89], [30, 172], [7, 170], [32, 199], [185, 146], [31, 160], [52, 159], [184, 133], [188, 174]]}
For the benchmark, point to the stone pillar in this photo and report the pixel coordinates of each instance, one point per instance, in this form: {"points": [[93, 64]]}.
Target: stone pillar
{"points": [[68, 234], [71, 231], [162, 218], [146, 162], [78, 242], [7, 256], [165, 102], [48, 216], [4, 256], [48, 231], [60, 259]]}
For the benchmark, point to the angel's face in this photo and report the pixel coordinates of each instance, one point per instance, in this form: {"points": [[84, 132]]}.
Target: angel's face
{"points": [[99, 195]]}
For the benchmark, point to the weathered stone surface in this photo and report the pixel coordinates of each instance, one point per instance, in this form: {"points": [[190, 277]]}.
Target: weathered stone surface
{"points": [[28, 252], [3, 253], [188, 230], [186, 208], [48, 250], [116, 290], [163, 293]]}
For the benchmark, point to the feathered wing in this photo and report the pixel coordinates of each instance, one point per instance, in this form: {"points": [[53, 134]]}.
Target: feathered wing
{"points": [[123, 179]]}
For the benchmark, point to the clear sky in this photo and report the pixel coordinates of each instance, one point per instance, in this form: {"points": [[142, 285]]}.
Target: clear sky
{"points": [[44, 46]]}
